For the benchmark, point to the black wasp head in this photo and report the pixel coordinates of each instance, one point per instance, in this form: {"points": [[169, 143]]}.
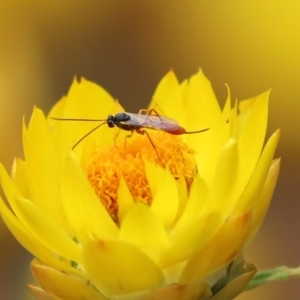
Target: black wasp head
{"points": [[111, 121]]}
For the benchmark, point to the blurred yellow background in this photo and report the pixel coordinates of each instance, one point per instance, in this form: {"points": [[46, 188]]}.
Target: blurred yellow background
{"points": [[127, 46]]}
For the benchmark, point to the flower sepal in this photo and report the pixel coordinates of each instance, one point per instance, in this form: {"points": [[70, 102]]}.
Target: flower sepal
{"points": [[55, 284], [238, 275]]}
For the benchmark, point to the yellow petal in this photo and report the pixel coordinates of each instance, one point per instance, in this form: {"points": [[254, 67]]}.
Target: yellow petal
{"points": [[220, 135], [253, 134], [189, 291], [222, 249], [164, 191], [208, 144], [43, 165], [9, 189], [85, 100], [202, 109], [56, 127], [258, 178], [38, 147], [154, 174], [190, 239], [144, 229], [262, 202], [207, 161], [118, 268], [227, 107], [39, 223], [182, 196], [233, 121], [31, 243], [63, 286], [194, 207], [184, 88], [125, 199], [83, 209], [224, 189], [47, 230], [166, 196], [167, 99], [19, 176], [58, 108]]}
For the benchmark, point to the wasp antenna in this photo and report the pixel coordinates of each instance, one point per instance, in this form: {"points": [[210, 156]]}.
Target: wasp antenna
{"points": [[198, 131], [80, 120], [87, 134]]}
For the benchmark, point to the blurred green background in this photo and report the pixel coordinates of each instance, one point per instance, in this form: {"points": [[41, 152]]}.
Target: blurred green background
{"points": [[127, 46]]}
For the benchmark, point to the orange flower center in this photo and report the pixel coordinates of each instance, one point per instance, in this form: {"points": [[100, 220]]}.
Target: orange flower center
{"points": [[106, 166]]}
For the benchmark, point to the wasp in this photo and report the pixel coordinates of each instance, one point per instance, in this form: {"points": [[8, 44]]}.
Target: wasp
{"points": [[145, 119]]}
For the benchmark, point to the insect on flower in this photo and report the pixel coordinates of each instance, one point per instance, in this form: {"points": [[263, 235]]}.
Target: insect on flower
{"points": [[145, 119]]}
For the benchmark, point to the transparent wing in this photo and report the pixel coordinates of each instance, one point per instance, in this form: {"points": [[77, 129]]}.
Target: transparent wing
{"points": [[152, 122]]}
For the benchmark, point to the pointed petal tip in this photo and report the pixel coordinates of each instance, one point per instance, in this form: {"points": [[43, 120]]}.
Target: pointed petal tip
{"points": [[75, 80], [39, 293], [278, 132], [275, 167], [200, 71]]}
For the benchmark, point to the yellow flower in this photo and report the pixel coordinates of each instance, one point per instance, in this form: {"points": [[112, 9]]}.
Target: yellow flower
{"points": [[142, 217]]}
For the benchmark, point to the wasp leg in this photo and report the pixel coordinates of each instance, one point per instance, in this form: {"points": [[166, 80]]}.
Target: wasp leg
{"points": [[127, 137], [143, 111], [115, 139], [151, 111], [141, 131]]}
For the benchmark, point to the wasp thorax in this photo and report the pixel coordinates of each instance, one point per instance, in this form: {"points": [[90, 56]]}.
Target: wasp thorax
{"points": [[121, 117], [107, 166]]}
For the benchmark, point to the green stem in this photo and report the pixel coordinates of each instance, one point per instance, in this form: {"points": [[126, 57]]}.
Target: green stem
{"points": [[280, 273]]}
